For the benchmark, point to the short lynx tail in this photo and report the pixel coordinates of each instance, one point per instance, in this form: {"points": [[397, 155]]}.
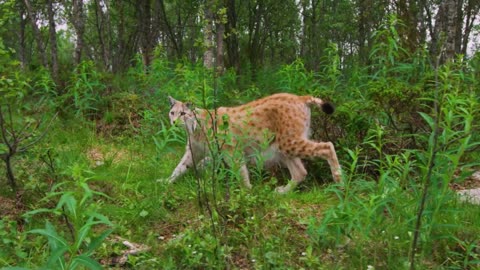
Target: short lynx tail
{"points": [[327, 107]]}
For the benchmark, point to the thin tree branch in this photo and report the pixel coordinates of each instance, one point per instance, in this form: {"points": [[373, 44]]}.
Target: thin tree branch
{"points": [[431, 166], [24, 148], [4, 130]]}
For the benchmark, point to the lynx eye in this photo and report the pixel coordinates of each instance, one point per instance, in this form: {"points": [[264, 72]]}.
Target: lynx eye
{"points": [[182, 113], [172, 113]]}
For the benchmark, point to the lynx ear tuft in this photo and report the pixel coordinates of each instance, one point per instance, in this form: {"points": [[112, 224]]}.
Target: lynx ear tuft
{"points": [[172, 101]]}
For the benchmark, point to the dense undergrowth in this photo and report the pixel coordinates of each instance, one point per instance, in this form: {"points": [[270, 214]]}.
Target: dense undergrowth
{"points": [[87, 182]]}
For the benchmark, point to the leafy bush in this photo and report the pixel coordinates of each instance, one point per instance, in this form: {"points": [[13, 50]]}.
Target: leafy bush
{"points": [[373, 217], [197, 249], [14, 244], [383, 130], [77, 239], [84, 91]]}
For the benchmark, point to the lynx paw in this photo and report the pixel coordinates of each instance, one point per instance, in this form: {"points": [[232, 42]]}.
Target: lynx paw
{"points": [[165, 180], [287, 188], [282, 189]]}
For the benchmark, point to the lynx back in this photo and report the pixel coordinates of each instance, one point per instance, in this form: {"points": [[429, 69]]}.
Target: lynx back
{"points": [[280, 121]]}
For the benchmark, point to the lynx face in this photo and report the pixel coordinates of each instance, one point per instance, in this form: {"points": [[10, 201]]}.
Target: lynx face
{"points": [[285, 118], [181, 114]]}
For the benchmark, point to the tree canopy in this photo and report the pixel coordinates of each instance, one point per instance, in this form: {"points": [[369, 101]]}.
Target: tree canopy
{"points": [[240, 35]]}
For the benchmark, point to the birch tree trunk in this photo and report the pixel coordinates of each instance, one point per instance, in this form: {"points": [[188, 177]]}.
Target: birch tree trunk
{"points": [[145, 32], [21, 38], [78, 21], [220, 27], [36, 32], [102, 23], [118, 61], [451, 29], [53, 40], [472, 11], [232, 36], [445, 36], [208, 38]]}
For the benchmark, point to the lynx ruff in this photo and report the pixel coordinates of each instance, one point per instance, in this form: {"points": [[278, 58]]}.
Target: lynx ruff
{"points": [[280, 120]]}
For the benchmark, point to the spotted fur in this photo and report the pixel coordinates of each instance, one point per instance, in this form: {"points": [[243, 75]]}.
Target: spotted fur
{"points": [[277, 126]]}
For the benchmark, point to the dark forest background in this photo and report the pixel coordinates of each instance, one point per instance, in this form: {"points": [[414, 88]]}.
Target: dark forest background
{"points": [[242, 35], [84, 134]]}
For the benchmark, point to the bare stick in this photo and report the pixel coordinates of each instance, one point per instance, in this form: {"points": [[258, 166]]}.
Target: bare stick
{"points": [[431, 165]]}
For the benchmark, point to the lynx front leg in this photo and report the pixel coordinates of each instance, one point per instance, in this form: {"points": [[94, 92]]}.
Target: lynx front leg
{"points": [[238, 164], [297, 174], [185, 163]]}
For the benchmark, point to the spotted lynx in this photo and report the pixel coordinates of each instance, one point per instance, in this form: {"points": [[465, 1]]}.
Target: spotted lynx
{"points": [[280, 120]]}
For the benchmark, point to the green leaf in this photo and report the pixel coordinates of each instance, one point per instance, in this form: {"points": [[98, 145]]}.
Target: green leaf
{"points": [[101, 219], [86, 261], [428, 119], [97, 241], [70, 202], [83, 232], [36, 211], [56, 258], [55, 240], [88, 193]]}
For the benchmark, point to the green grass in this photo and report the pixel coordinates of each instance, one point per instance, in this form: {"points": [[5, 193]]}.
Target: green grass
{"points": [[102, 157], [352, 226]]}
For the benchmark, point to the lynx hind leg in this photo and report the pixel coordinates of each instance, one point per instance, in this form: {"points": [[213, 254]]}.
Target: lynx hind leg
{"points": [[245, 176], [305, 148], [334, 164], [326, 150], [297, 174]]}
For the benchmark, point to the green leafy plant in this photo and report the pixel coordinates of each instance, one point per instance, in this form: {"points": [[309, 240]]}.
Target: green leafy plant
{"points": [[452, 125], [295, 78], [72, 245], [84, 90], [13, 245], [387, 51], [196, 249]]}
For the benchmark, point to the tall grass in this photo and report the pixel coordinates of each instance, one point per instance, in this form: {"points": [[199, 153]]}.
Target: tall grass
{"points": [[383, 130]]}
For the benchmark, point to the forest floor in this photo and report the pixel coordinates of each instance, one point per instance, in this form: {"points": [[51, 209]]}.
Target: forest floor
{"points": [[469, 190], [158, 225]]}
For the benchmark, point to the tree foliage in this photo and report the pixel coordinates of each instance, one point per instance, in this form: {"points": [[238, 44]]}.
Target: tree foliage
{"points": [[255, 33], [403, 74]]}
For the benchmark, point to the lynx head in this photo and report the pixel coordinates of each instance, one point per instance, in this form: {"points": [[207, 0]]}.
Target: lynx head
{"points": [[181, 113]]}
